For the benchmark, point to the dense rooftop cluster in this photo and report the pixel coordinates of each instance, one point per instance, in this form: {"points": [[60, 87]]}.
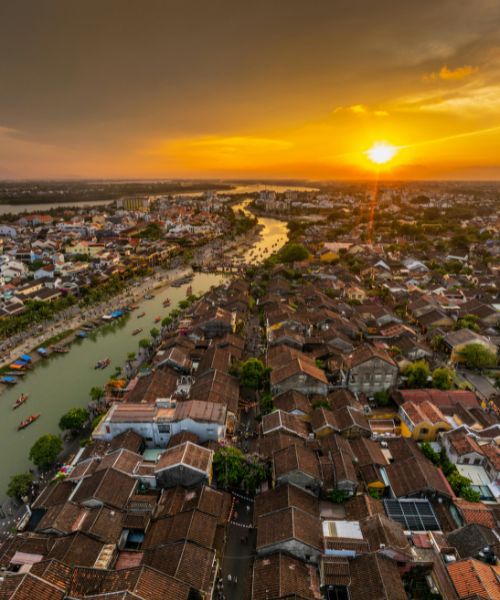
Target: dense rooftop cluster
{"points": [[315, 429]]}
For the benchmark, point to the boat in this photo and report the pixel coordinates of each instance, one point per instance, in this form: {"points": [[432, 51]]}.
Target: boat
{"points": [[42, 351], [107, 317], [102, 364], [28, 421], [148, 297], [21, 400], [134, 306], [60, 349], [8, 379], [189, 291], [81, 334], [140, 315], [157, 319], [166, 302], [136, 331]]}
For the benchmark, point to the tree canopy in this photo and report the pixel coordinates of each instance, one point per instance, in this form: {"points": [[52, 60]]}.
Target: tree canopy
{"points": [[477, 356], [45, 450], [253, 374], [19, 485], [418, 374], [442, 378], [75, 419], [292, 253]]}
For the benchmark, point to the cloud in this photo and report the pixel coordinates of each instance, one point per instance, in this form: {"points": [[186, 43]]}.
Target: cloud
{"points": [[446, 74], [360, 109]]}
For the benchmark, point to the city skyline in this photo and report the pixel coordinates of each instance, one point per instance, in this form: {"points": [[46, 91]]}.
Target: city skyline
{"points": [[232, 90]]}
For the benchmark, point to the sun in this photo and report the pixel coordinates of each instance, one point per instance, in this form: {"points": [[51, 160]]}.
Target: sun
{"points": [[381, 153]]}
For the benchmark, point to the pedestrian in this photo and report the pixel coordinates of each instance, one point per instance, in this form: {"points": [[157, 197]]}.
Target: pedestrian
{"points": [[229, 578]]}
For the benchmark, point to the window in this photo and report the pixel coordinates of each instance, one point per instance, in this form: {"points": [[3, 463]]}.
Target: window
{"points": [[466, 461], [477, 461], [424, 431]]}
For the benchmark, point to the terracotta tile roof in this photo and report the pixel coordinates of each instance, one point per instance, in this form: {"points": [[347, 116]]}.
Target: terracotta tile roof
{"points": [[188, 454], [162, 383], [76, 549], [288, 524], [322, 418], [380, 530], [474, 577], [128, 440], [191, 525], [476, 512], [462, 442], [296, 458], [107, 486], [285, 496], [492, 453], [281, 576], [335, 571], [367, 452], [121, 460], [414, 475], [29, 587], [144, 582], [367, 352], [218, 387], [374, 577], [280, 420], [425, 412], [440, 398], [292, 400], [187, 562], [361, 506], [54, 493], [297, 366], [266, 445], [53, 571]]}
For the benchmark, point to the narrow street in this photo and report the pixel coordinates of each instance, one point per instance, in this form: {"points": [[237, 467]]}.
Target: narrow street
{"points": [[240, 551]]}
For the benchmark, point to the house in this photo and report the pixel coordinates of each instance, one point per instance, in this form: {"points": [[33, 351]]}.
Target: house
{"points": [[282, 576], [370, 370], [293, 402], [297, 465], [106, 486], [279, 420], [299, 374], [323, 422], [456, 341], [292, 531], [471, 541], [474, 579], [217, 323], [415, 476], [462, 447], [186, 464], [422, 421]]}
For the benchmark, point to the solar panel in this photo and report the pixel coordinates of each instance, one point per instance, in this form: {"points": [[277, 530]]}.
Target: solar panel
{"points": [[414, 515]]}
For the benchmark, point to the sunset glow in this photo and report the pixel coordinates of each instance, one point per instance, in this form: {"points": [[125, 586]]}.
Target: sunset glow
{"points": [[381, 153]]}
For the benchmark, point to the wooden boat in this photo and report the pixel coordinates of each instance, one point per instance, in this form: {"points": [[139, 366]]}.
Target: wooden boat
{"points": [[8, 379], [21, 400], [166, 302], [189, 291], [140, 315], [136, 331], [148, 297], [134, 306], [60, 349], [28, 421], [157, 319], [102, 364]]}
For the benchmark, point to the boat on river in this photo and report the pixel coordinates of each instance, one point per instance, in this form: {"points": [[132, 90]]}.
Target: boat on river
{"points": [[81, 334], [136, 331], [21, 400], [28, 421], [157, 319], [102, 364], [140, 315], [134, 306], [8, 379], [189, 291], [60, 349], [148, 297], [166, 302]]}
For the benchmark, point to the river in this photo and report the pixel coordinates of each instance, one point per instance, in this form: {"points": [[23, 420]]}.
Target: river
{"points": [[64, 381]]}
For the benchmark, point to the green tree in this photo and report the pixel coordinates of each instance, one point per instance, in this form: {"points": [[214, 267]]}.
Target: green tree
{"points": [[154, 332], [229, 466], [254, 473], [430, 453], [437, 343], [477, 356], [45, 450], [144, 343], [382, 398], [19, 485], [338, 496], [74, 420], [292, 253], [96, 393], [166, 322], [467, 493], [418, 374], [442, 378], [253, 374], [468, 322], [183, 304], [266, 403], [131, 356]]}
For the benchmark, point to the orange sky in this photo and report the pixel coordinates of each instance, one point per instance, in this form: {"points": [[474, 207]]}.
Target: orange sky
{"points": [[282, 89]]}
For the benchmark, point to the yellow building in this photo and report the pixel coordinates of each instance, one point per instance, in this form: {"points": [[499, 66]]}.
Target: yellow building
{"points": [[328, 256], [422, 421]]}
